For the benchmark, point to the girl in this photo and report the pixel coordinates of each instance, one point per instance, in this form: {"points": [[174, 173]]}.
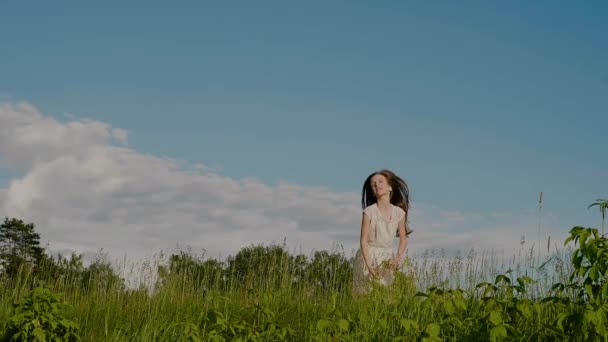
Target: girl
{"points": [[385, 203]]}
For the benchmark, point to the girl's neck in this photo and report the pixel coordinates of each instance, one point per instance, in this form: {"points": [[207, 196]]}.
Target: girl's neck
{"points": [[383, 201]]}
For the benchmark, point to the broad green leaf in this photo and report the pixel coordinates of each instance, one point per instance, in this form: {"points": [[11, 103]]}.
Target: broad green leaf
{"points": [[589, 290], [497, 333], [495, 317], [592, 316], [343, 325], [489, 302], [593, 273], [39, 334], [524, 280], [409, 325], [577, 258], [433, 329], [583, 237], [524, 309], [552, 299], [449, 307], [323, 324], [460, 304], [503, 278]]}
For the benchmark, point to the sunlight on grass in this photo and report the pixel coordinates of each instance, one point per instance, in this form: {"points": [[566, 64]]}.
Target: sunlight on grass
{"points": [[265, 293]]}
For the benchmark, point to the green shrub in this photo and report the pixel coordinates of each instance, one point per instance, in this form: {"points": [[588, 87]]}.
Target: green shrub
{"points": [[39, 317]]}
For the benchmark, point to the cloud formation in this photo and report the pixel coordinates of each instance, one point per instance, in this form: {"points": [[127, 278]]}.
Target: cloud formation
{"points": [[86, 189]]}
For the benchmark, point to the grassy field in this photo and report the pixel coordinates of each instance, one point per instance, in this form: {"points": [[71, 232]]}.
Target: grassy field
{"points": [[269, 295]]}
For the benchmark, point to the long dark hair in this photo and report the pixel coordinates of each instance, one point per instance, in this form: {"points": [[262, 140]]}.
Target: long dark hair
{"points": [[400, 196]]}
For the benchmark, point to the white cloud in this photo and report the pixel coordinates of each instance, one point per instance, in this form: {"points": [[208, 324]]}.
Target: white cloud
{"points": [[85, 189], [2, 197], [28, 138]]}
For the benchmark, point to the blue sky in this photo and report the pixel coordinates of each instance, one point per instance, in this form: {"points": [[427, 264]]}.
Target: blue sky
{"points": [[478, 106]]}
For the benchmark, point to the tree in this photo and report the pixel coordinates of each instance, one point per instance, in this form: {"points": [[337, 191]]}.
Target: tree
{"points": [[261, 267], [100, 276], [329, 271], [67, 271], [196, 272], [19, 245]]}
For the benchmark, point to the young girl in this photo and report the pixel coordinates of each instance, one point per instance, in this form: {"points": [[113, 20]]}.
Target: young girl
{"points": [[385, 203]]}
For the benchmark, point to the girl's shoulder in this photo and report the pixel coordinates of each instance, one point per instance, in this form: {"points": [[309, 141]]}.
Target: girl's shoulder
{"points": [[400, 211], [369, 210]]}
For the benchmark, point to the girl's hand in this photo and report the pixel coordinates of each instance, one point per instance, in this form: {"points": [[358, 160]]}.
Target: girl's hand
{"points": [[395, 263], [373, 273]]}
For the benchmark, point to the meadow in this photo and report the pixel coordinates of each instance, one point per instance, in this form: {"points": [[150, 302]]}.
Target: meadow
{"points": [[264, 293]]}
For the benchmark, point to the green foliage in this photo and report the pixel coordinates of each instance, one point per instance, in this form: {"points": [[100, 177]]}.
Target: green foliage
{"points": [[100, 276], [19, 245], [39, 317], [602, 204], [588, 314], [262, 325], [66, 272], [336, 328], [590, 261], [266, 294], [199, 274], [330, 272], [260, 267]]}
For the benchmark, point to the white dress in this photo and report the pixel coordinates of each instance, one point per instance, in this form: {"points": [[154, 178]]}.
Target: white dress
{"points": [[381, 235]]}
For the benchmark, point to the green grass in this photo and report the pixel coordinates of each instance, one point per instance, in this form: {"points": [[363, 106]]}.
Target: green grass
{"points": [[273, 300]]}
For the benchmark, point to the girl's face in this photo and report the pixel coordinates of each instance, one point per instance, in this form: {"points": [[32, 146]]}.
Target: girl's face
{"points": [[379, 185]]}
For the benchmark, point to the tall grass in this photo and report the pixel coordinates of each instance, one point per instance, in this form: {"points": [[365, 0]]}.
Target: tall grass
{"points": [[273, 291]]}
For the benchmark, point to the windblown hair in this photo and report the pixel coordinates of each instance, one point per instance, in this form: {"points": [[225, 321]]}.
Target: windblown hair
{"points": [[400, 196]]}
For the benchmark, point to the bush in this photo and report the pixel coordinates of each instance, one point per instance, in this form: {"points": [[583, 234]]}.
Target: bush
{"points": [[39, 317]]}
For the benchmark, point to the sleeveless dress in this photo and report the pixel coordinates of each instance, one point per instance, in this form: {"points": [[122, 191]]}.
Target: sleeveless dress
{"points": [[381, 235]]}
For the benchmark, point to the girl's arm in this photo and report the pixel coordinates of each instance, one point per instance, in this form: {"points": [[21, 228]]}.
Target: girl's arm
{"points": [[402, 241], [365, 221]]}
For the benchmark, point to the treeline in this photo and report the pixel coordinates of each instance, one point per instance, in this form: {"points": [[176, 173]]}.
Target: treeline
{"points": [[265, 294], [24, 261], [260, 268]]}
